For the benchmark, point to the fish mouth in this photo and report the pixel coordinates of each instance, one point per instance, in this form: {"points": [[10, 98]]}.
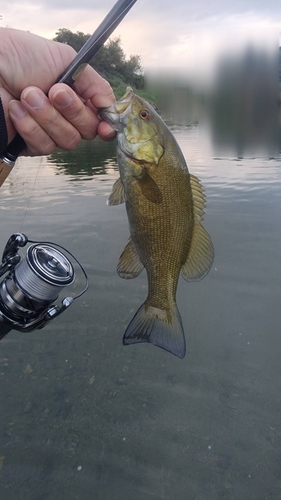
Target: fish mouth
{"points": [[114, 113]]}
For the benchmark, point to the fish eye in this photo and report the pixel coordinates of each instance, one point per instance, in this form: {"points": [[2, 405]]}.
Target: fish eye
{"points": [[144, 114]]}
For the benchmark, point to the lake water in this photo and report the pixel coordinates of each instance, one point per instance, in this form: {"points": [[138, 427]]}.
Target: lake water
{"points": [[85, 418]]}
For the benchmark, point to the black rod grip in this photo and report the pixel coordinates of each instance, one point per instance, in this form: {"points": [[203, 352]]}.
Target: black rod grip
{"points": [[14, 149]]}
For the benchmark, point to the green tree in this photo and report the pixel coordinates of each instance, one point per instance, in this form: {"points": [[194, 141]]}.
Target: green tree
{"points": [[110, 61], [133, 71], [75, 40]]}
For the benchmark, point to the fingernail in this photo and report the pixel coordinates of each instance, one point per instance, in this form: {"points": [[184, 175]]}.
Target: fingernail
{"points": [[33, 98], [62, 98], [111, 134], [16, 109]]}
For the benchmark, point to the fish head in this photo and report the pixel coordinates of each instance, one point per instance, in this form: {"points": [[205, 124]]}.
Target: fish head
{"points": [[140, 130]]}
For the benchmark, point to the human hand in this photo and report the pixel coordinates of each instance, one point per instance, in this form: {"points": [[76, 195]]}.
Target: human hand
{"points": [[29, 65]]}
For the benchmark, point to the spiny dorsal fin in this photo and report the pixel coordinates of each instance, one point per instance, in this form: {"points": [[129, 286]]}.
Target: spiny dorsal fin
{"points": [[200, 256], [129, 265], [117, 195]]}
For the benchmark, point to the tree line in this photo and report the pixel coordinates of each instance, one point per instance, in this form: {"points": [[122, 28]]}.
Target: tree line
{"points": [[110, 61]]}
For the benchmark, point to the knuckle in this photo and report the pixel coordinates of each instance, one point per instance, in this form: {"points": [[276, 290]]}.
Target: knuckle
{"points": [[70, 141], [85, 122], [89, 135], [78, 114], [48, 148], [50, 119], [39, 141], [106, 86], [42, 146]]}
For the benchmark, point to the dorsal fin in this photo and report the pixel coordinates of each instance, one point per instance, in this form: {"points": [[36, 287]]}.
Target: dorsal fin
{"points": [[199, 199], [201, 254]]}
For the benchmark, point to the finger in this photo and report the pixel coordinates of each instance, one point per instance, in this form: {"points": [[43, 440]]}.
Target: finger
{"points": [[90, 85], [38, 142], [49, 119], [73, 109], [106, 132]]}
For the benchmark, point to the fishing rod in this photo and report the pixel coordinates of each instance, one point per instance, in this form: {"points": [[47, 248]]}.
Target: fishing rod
{"points": [[82, 58], [31, 284]]}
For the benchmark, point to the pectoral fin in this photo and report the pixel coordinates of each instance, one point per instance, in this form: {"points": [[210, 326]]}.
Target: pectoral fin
{"points": [[201, 253], [129, 265], [149, 188], [117, 195]]}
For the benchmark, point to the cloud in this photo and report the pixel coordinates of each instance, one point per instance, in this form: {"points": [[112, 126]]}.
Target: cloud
{"points": [[162, 32]]}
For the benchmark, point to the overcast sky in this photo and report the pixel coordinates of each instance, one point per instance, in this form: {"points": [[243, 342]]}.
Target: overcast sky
{"points": [[162, 32]]}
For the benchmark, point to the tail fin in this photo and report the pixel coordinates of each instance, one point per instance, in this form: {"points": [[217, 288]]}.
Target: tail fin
{"points": [[162, 328]]}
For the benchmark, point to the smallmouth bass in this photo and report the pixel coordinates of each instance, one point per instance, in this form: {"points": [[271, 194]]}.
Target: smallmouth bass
{"points": [[165, 205]]}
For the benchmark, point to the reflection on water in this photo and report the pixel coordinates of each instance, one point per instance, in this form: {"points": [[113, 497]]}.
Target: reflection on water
{"points": [[84, 417], [87, 160]]}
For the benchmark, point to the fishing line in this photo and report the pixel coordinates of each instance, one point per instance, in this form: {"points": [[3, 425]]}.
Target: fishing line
{"points": [[52, 243], [29, 198]]}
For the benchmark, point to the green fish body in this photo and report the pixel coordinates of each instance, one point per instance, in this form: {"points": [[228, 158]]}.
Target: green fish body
{"points": [[164, 205]]}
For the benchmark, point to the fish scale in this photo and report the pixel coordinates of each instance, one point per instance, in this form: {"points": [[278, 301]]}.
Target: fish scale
{"points": [[165, 205]]}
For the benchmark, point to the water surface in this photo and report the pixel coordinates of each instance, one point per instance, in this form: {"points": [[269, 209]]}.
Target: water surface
{"points": [[85, 418]]}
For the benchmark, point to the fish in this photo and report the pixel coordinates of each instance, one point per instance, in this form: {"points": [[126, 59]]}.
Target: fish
{"points": [[165, 206]]}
